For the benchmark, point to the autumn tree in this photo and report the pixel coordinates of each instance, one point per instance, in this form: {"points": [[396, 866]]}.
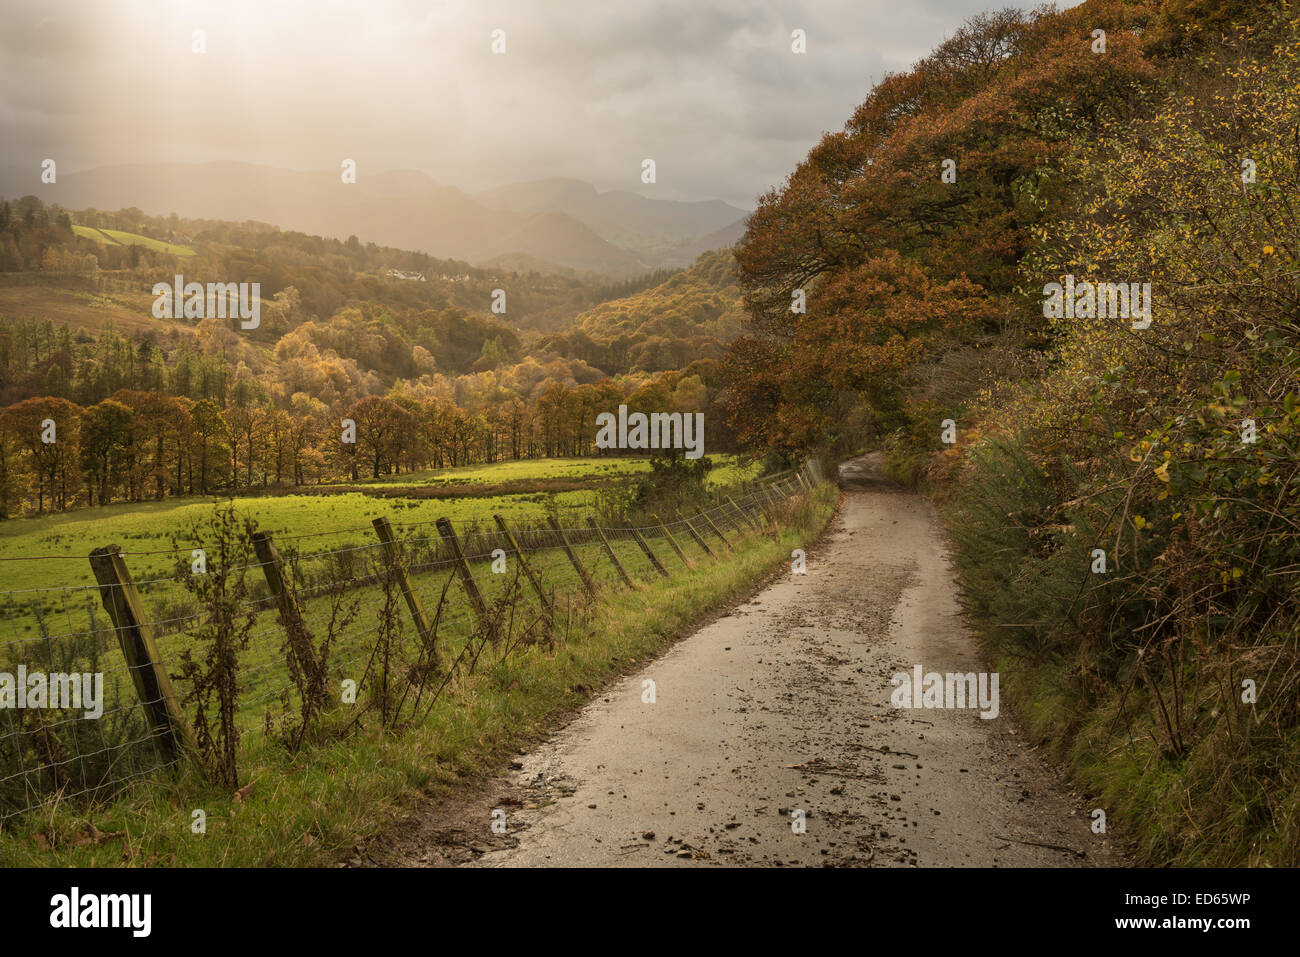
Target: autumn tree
{"points": [[899, 238], [105, 443], [47, 435], [209, 452], [381, 426]]}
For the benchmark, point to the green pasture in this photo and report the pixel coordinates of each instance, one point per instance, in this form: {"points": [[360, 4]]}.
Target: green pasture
{"points": [[63, 540], [118, 237]]}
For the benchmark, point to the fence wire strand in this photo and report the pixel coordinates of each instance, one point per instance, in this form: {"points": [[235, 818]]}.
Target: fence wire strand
{"points": [[51, 755]]}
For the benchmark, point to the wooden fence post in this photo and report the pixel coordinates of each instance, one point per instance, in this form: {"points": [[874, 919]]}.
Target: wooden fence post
{"points": [[152, 685], [609, 550], [523, 563], [716, 531], [573, 556], [748, 521], [301, 644], [385, 532], [673, 542], [696, 535], [648, 554], [777, 494], [815, 475], [462, 568]]}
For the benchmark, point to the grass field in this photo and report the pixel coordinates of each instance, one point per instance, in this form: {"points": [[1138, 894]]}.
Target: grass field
{"points": [[310, 806], [117, 237], [49, 601], [48, 590], [332, 520], [523, 470], [727, 470]]}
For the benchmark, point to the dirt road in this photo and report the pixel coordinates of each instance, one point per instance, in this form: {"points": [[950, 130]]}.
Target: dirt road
{"points": [[782, 706]]}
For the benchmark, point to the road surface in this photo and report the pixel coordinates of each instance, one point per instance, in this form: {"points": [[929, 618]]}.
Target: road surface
{"points": [[784, 706]]}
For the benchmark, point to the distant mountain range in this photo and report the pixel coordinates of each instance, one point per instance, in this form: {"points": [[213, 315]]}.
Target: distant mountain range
{"points": [[563, 222]]}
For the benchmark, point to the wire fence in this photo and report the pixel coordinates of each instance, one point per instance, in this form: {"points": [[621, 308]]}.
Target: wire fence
{"points": [[101, 684]]}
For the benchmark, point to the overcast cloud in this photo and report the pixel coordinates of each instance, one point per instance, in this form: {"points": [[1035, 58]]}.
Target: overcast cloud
{"points": [[587, 88]]}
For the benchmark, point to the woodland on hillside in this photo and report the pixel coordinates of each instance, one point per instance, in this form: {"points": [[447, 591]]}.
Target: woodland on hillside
{"points": [[197, 406], [1124, 499]]}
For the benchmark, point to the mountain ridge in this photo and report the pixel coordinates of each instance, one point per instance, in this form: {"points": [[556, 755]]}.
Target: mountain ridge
{"points": [[565, 222]]}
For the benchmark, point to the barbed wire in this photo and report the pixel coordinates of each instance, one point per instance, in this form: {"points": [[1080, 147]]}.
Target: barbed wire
{"points": [[50, 758]]}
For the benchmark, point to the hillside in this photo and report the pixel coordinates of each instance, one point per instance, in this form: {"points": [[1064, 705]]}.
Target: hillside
{"points": [[691, 315], [618, 233], [1119, 468], [123, 252], [661, 230], [405, 344]]}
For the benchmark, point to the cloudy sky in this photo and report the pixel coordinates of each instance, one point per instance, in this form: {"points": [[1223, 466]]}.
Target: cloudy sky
{"points": [[586, 88]]}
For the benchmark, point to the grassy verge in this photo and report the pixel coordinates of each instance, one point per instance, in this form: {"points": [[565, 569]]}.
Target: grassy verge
{"points": [[310, 809], [1221, 805], [1158, 733]]}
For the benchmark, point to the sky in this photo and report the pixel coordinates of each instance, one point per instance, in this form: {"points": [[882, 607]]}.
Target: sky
{"points": [[586, 89]]}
